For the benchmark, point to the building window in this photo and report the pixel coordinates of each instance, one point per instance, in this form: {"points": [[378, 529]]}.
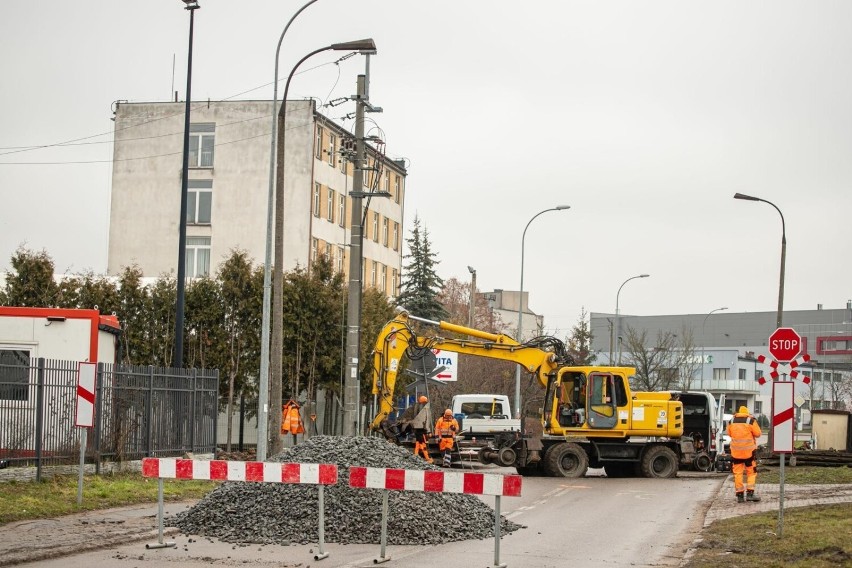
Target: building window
{"points": [[329, 204], [197, 257], [14, 374], [387, 182], [394, 278], [201, 142], [742, 374], [375, 227], [318, 144], [396, 189], [383, 278], [758, 407], [332, 150], [395, 236], [373, 271], [720, 374], [199, 201], [314, 249], [317, 190], [385, 231], [340, 258], [341, 209], [758, 374]]}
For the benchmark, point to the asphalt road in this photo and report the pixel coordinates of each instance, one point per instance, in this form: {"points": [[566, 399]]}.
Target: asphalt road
{"points": [[588, 522]]}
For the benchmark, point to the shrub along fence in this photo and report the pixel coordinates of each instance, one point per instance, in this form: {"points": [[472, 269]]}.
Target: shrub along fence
{"points": [[139, 411]]}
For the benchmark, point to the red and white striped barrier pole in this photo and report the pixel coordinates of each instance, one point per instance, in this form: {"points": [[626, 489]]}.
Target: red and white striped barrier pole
{"points": [[436, 482], [318, 474]]}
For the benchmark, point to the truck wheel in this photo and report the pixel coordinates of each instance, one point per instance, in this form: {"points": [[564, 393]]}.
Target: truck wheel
{"points": [[566, 459], [506, 457], [660, 462], [702, 462]]}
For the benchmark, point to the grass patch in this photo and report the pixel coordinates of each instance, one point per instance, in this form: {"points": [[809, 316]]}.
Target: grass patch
{"points": [[814, 537], [58, 496], [804, 475]]}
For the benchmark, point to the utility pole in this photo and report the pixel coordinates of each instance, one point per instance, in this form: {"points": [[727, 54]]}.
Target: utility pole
{"points": [[353, 312]]}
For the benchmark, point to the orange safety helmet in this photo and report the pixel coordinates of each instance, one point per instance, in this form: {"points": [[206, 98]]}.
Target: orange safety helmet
{"points": [[422, 399], [448, 412]]}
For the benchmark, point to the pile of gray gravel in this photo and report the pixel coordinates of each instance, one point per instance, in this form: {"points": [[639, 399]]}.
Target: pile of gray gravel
{"points": [[277, 513]]}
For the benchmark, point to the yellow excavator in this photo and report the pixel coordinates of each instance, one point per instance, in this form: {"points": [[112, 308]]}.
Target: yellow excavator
{"points": [[590, 417]]}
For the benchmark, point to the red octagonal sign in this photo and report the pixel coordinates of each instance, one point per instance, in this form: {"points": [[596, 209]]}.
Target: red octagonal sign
{"points": [[785, 344]]}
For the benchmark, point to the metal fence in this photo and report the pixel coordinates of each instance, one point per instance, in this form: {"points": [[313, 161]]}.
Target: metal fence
{"points": [[139, 411]]}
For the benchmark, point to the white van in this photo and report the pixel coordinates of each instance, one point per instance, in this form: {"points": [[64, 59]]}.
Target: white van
{"points": [[702, 422]]}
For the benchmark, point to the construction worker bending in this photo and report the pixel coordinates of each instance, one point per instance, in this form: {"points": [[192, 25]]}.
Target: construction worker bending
{"points": [[446, 428], [744, 433], [420, 425]]}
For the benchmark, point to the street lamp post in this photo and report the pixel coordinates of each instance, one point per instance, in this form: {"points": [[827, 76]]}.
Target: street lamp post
{"points": [[521, 306], [617, 318], [263, 379], [192, 6], [780, 315], [472, 295], [704, 341], [277, 346]]}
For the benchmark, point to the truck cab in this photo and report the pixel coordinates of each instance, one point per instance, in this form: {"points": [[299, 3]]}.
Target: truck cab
{"points": [[483, 415]]}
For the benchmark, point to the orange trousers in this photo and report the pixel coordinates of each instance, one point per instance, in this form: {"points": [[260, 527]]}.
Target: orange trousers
{"points": [[747, 467]]}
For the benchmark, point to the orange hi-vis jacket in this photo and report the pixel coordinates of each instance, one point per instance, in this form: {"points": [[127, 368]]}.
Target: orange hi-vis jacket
{"points": [[446, 428], [744, 433]]}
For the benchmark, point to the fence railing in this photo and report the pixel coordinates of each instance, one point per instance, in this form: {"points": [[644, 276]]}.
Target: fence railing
{"points": [[139, 412]]}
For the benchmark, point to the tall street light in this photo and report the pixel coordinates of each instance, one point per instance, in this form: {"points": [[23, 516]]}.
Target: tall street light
{"points": [[472, 271], [263, 378], [780, 316], [704, 341], [521, 306], [192, 6], [278, 266], [617, 319]]}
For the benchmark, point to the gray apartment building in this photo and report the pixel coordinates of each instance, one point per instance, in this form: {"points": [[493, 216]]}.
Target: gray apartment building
{"points": [[228, 188]]}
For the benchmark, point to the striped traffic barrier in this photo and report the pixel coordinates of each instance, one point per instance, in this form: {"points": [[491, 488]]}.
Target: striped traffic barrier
{"points": [[318, 474], [436, 482]]}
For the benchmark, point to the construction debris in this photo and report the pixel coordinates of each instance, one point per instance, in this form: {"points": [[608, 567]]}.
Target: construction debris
{"points": [[274, 513]]}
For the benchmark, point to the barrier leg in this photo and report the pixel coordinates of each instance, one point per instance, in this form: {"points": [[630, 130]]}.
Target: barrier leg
{"points": [[382, 557], [160, 543], [497, 533], [321, 502]]}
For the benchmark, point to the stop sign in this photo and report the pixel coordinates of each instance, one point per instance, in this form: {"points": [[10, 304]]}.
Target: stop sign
{"points": [[785, 344]]}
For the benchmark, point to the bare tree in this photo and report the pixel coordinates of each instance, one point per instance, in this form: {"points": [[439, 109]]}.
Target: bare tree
{"points": [[688, 363]]}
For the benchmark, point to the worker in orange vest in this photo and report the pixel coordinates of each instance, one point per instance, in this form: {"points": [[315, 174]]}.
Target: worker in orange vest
{"points": [[744, 433], [420, 424], [446, 428]]}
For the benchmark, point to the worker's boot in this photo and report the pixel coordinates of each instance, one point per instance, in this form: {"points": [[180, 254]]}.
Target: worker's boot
{"points": [[740, 498], [750, 496]]}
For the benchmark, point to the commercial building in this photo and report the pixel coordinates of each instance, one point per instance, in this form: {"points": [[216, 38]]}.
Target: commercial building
{"points": [[726, 348], [228, 188]]}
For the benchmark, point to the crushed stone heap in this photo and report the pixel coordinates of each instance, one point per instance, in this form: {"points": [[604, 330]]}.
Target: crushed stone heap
{"points": [[277, 513]]}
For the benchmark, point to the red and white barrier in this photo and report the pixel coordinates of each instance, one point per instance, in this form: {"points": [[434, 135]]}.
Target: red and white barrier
{"points": [[220, 470], [435, 481], [320, 474], [792, 364]]}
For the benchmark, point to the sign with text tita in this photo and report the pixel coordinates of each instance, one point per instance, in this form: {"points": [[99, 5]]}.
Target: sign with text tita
{"points": [[785, 344], [450, 361]]}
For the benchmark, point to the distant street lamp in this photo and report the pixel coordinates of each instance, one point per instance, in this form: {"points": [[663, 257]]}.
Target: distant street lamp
{"points": [[192, 6], [780, 314], [703, 341], [263, 380], [618, 320], [521, 306], [277, 346], [472, 295]]}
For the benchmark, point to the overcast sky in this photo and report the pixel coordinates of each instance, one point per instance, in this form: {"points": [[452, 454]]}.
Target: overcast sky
{"points": [[644, 117]]}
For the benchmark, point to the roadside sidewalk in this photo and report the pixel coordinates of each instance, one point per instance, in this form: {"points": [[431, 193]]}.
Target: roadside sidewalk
{"points": [[725, 504], [30, 541]]}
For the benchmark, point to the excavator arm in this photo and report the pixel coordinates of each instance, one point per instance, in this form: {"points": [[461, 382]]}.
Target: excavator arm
{"points": [[541, 355]]}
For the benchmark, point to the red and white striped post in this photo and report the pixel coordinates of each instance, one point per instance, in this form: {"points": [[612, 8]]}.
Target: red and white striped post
{"points": [[318, 474], [85, 414], [783, 434], [436, 482]]}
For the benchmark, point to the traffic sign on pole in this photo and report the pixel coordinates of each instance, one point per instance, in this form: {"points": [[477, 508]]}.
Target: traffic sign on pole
{"points": [[86, 395], [785, 344], [782, 416]]}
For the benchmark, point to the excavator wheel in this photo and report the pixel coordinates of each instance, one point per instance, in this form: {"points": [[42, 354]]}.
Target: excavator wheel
{"points": [[702, 462], [566, 459], [660, 462]]}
